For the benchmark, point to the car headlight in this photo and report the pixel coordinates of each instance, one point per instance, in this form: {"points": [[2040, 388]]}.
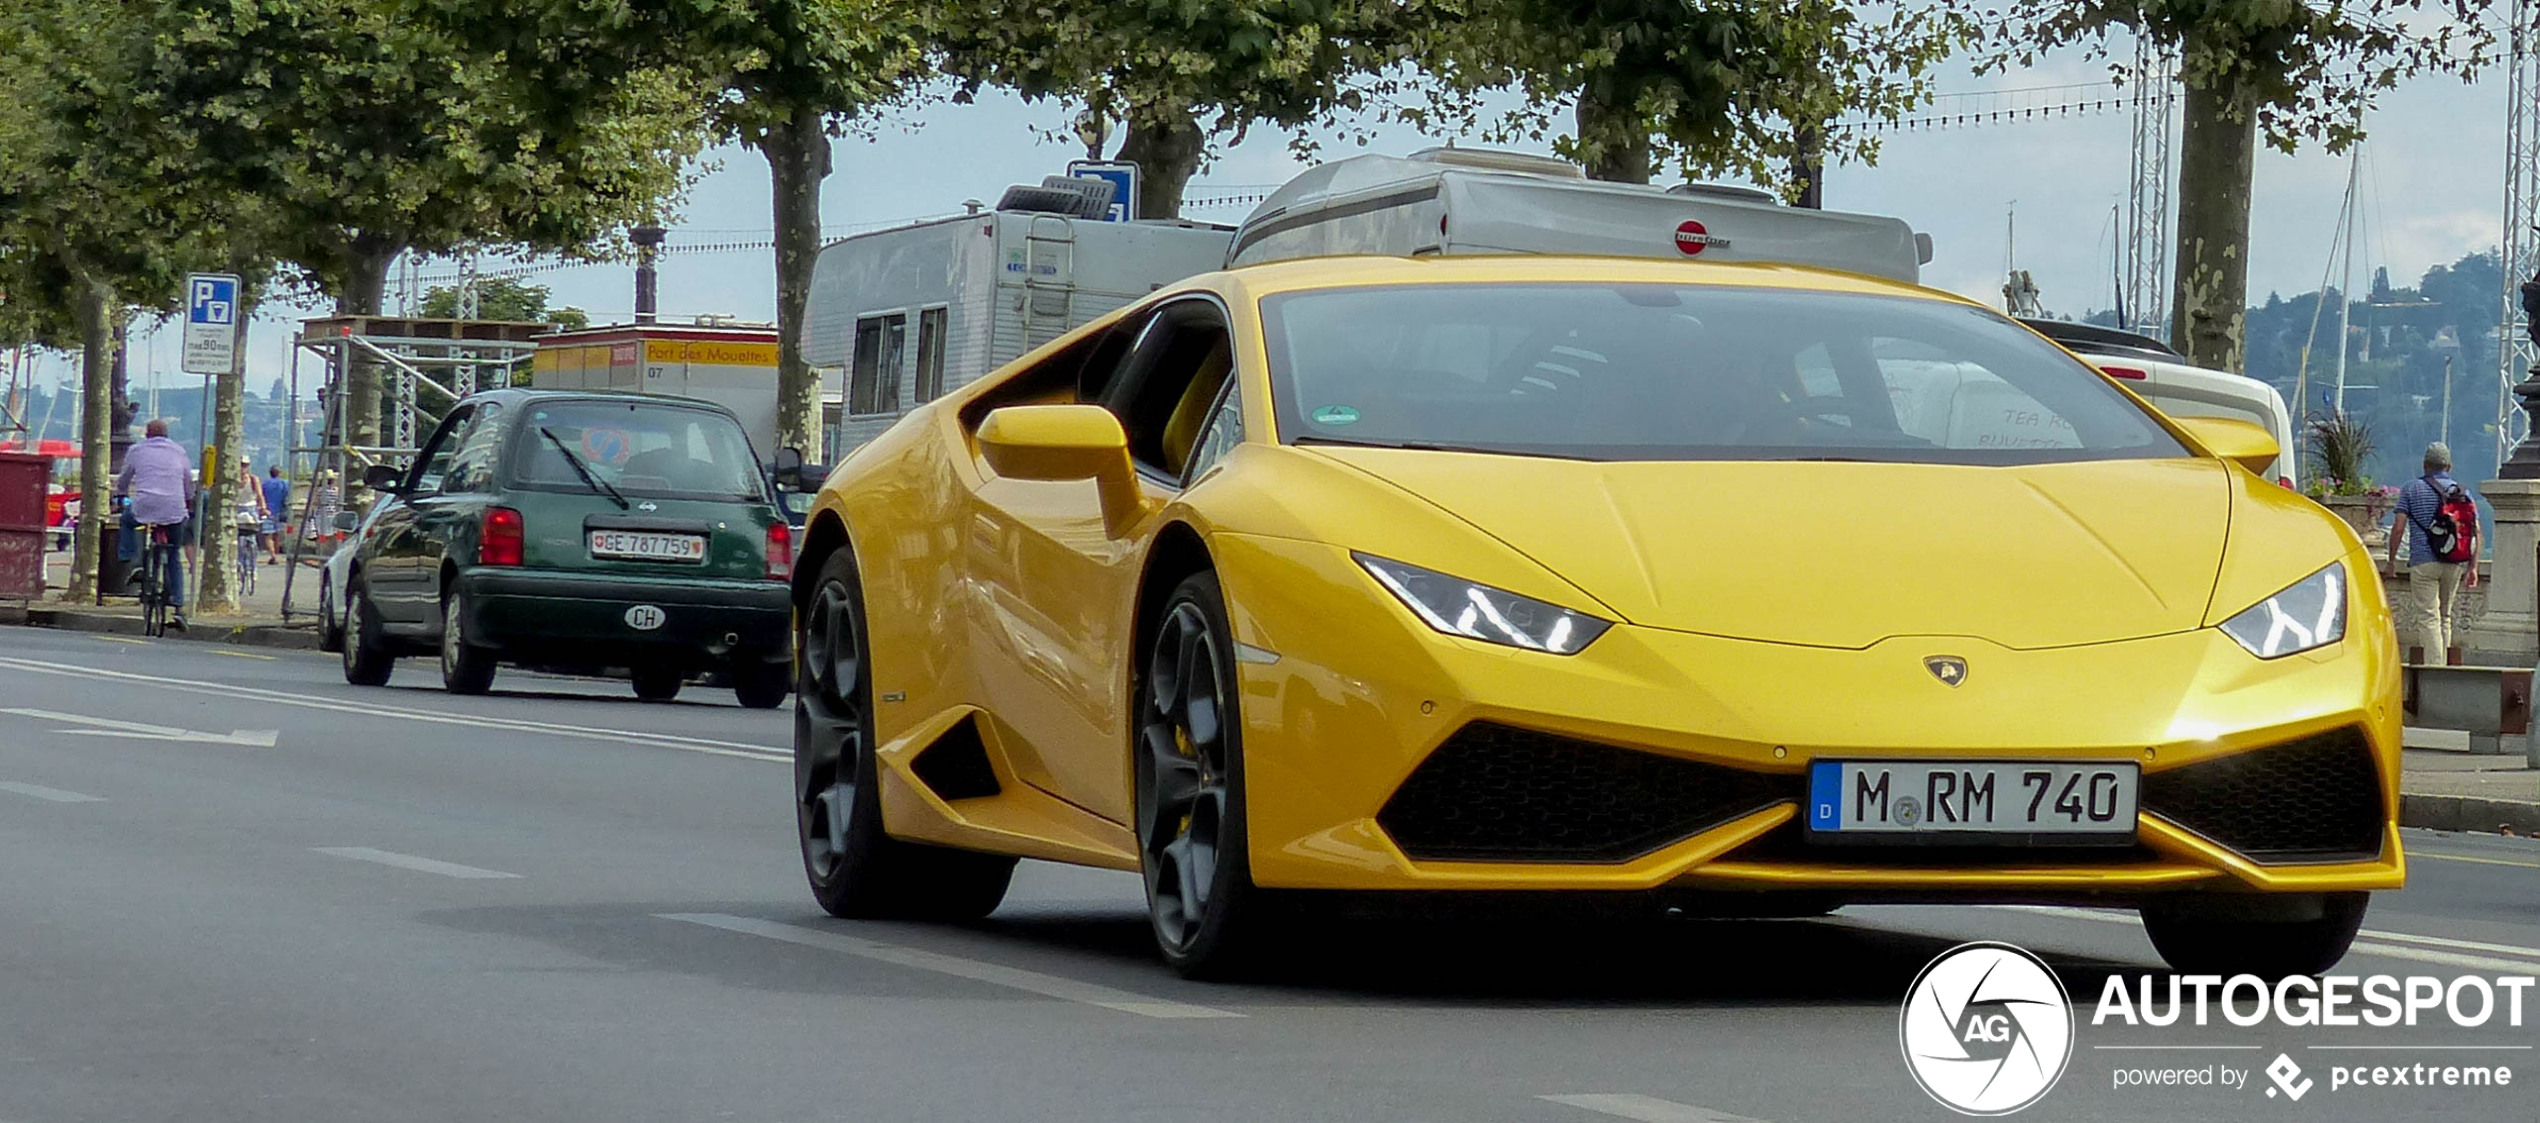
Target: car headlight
{"points": [[2309, 613], [1459, 607]]}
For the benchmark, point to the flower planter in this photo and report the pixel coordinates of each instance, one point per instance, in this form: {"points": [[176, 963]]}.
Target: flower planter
{"points": [[2364, 513]]}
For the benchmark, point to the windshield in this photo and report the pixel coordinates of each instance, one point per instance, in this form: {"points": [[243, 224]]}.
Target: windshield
{"points": [[1687, 372], [640, 448]]}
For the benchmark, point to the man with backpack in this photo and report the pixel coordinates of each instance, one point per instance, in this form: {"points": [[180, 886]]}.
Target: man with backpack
{"points": [[2440, 521]]}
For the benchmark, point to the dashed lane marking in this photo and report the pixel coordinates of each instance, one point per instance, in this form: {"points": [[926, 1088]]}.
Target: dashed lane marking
{"points": [[55, 795], [235, 692], [411, 862], [1014, 978], [241, 654], [1645, 1109], [2413, 854]]}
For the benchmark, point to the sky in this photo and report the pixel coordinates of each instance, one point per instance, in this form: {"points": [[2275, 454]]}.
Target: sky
{"points": [[2431, 188]]}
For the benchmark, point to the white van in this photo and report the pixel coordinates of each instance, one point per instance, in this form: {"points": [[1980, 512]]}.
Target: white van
{"points": [[2164, 378], [1477, 201]]}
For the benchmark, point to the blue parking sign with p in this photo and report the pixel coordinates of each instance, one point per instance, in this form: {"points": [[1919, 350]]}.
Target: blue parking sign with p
{"points": [[211, 300]]}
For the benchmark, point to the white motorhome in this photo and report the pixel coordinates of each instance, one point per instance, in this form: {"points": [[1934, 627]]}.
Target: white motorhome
{"points": [[1476, 201], [899, 316]]}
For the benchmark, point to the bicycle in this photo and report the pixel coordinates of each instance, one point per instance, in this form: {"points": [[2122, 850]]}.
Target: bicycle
{"points": [[158, 560], [246, 560]]}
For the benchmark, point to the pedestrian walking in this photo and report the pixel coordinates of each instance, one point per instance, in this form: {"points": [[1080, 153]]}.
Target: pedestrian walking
{"points": [[277, 497], [2440, 522], [324, 501]]}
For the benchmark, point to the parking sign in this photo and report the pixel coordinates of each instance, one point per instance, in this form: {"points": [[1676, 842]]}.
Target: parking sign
{"points": [[1124, 185], [211, 323]]}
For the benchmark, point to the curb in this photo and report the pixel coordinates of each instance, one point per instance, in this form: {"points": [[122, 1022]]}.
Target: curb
{"points": [[2469, 813], [284, 636]]}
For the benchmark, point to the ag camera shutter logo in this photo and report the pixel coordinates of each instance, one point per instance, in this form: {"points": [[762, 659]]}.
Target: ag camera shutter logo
{"points": [[1986, 1029]]}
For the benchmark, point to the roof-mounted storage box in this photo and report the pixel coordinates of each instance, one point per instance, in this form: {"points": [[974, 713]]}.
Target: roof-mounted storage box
{"points": [[1474, 201]]}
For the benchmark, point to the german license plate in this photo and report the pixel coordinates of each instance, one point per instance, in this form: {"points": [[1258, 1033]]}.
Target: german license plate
{"points": [[1907, 800], [648, 547]]}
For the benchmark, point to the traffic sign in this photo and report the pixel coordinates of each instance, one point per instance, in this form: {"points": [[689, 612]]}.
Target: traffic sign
{"points": [[211, 323], [1124, 184]]}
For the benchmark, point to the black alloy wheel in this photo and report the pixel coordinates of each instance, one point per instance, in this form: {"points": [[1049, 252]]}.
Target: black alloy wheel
{"points": [[1190, 805], [367, 660], [465, 667], [855, 869]]}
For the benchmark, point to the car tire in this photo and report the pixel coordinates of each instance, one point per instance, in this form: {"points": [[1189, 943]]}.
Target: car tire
{"points": [[465, 667], [2199, 934], [330, 629], [760, 686], [658, 684], [1208, 919], [367, 659], [856, 869]]}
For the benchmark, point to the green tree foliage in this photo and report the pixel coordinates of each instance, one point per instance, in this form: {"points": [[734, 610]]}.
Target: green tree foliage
{"points": [[1743, 88], [1176, 73], [503, 298], [781, 76], [2290, 71]]}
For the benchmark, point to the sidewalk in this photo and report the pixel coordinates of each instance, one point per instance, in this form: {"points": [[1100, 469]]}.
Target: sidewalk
{"points": [[2454, 790], [260, 622]]}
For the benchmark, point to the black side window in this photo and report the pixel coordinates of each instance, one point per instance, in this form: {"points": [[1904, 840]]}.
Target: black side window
{"points": [[1225, 430], [1167, 388], [930, 353], [433, 465], [472, 467]]}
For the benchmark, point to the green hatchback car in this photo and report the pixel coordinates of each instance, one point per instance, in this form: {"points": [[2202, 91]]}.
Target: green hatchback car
{"points": [[579, 531]]}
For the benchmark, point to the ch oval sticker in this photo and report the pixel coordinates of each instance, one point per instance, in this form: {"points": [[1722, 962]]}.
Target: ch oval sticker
{"points": [[645, 617]]}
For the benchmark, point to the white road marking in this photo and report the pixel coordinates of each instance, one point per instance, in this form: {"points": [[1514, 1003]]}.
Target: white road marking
{"points": [[1645, 1109], [366, 709], [1034, 982], [241, 654], [2368, 943], [2467, 858], [411, 862], [109, 727], [56, 795]]}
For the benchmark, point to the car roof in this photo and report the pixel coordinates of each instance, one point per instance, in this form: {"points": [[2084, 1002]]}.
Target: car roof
{"points": [[1343, 272], [513, 396], [2092, 339]]}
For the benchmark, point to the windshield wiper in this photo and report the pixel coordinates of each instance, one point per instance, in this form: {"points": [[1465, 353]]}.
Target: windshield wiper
{"points": [[584, 470], [1438, 446]]}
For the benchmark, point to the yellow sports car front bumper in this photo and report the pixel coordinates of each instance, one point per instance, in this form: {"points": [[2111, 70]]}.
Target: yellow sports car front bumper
{"points": [[1345, 695]]}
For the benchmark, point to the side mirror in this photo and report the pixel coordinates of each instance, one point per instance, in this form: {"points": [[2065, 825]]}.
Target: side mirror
{"points": [[788, 460], [384, 477], [1065, 443], [789, 472], [2242, 442], [347, 521]]}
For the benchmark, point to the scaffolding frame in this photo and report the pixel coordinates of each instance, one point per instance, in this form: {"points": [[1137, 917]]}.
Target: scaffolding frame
{"points": [[2515, 355], [450, 358]]}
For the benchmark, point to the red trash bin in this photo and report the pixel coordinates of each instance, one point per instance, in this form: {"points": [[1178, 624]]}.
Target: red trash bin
{"points": [[23, 479]]}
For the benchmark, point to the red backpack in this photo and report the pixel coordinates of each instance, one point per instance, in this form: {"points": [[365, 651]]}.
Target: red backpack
{"points": [[2453, 533]]}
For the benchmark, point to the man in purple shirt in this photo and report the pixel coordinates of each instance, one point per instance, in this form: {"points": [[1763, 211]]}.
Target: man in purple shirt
{"points": [[159, 476]]}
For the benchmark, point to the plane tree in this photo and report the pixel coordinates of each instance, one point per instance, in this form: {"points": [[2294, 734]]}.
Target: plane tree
{"points": [[2288, 71]]}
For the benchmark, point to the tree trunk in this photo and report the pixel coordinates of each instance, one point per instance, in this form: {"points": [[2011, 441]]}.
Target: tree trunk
{"points": [[365, 286], [97, 312], [1167, 148], [797, 160], [1808, 169], [1614, 144], [2217, 150], [229, 442]]}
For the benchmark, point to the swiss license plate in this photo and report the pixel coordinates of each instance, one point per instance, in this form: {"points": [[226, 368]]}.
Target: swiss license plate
{"points": [[648, 547], [1909, 800]]}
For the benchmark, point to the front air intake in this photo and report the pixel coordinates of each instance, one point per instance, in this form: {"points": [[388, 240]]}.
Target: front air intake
{"points": [[1497, 793], [2313, 800]]}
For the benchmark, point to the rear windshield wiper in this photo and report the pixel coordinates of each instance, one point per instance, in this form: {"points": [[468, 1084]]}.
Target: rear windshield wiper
{"points": [[584, 470]]}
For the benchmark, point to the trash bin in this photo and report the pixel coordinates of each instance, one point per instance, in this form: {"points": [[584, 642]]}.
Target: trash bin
{"points": [[23, 479]]}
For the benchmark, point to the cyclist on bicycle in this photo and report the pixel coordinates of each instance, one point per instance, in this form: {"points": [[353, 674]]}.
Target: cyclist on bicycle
{"points": [[158, 475]]}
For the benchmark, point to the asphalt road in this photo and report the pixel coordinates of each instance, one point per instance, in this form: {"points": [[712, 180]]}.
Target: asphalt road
{"points": [[271, 896]]}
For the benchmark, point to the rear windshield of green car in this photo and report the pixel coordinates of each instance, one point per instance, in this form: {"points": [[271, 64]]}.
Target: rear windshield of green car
{"points": [[1687, 372], [643, 449]]}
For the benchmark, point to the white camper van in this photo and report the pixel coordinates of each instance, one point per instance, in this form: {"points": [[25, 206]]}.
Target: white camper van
{"points": [[897, 317], [1477, 201]]}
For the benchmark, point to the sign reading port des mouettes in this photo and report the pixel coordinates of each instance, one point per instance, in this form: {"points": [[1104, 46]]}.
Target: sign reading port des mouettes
{"points": [[211, 323]]}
